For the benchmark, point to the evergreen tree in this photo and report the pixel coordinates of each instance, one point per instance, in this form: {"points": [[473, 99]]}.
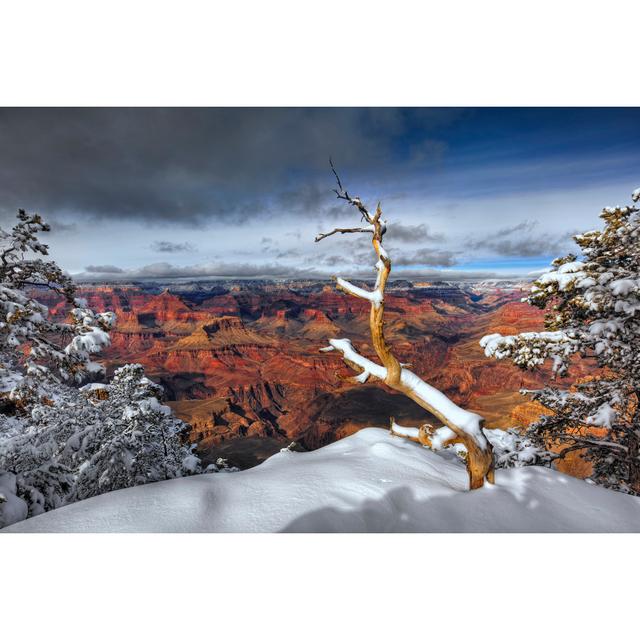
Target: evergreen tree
{"points": [[60, 443], [32, 346], [592, 308], [138, 439]]}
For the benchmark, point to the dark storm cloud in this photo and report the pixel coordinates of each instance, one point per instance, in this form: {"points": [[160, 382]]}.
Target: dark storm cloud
{"points": [[331, 260], [316, 201], [527, 247], [426, 256], [520, 240], [412, 233], [288, 253], [103, 268], [359, 254], [165, 270], [306, 198], [187, 165], [165, 246], [433, 275], [269, 247], [525, 226]]}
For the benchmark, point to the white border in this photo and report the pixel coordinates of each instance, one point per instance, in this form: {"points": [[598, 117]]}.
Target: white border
{"points": [[331, 53], [318, 586], [334, 52]]}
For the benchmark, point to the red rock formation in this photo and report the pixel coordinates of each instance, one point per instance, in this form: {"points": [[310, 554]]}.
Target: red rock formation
{"points": [[242, 363]]}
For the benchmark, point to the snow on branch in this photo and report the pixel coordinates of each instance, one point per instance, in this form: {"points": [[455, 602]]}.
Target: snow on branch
{"points": [[531, 349], [351, 355], [462, 425], [405, 432], [466, 421], [427, 435], [375, 296]]}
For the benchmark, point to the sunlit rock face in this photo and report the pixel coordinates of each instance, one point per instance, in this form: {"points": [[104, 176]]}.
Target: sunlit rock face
{"points": [[240, 360]]}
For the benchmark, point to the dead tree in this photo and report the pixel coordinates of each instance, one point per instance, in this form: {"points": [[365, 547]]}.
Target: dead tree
{"points": [[461, 426]]}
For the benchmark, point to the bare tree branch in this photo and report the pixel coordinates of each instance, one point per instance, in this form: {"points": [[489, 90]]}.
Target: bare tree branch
{"points": [[344, 195], [465, 427], [583, 443], [322, 236], [335, 173]]}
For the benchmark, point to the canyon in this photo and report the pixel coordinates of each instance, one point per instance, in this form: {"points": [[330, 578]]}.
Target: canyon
{"points": [[240, 360]]}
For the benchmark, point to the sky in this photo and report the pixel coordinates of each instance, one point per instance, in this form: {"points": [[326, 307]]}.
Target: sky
{"points": [[135, 193]]}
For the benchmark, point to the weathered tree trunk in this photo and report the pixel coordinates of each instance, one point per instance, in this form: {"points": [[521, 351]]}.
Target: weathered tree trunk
{"points": [[480, 465]]}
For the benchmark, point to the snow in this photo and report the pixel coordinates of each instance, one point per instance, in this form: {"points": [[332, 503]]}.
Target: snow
{"points": [[92, 342], [12, 508], [94, 386], [465, 420], [608, 328], [346, 348], [492, 343], [605, 416], [375, 296], [511, 448], [530, 349], [409, 432], [440, 437], [368, 482], [623, 287], [191, 464], [564, 275], [9, 380]]}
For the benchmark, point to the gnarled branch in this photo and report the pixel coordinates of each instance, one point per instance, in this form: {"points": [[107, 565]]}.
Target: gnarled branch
{"points": [[460, 425], [322, 236]]}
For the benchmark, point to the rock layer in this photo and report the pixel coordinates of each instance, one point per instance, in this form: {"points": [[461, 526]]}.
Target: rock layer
{"points": [[240, 361]]}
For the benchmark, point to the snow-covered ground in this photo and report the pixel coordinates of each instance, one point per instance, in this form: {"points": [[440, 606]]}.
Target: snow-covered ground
{"points": [[368, 482]]}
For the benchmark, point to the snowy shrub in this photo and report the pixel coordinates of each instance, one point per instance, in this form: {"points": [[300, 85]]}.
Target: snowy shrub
{"points": [[138, 440], [76, 446], [12, 508], [592, 305]]}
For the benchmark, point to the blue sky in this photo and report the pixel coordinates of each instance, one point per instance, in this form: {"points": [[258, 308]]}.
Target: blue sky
{"points": [[221, 192]]}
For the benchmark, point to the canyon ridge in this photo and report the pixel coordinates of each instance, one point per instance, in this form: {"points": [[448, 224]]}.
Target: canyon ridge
{"points": [[239, 360]]}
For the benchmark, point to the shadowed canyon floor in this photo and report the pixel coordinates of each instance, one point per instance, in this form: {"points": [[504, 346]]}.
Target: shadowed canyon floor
{"points": [[240, 360]]}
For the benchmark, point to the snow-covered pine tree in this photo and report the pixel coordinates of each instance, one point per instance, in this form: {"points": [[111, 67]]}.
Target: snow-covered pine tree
{"points": [[138, 439], [38, 354], [32, 346], [59, 443], [592, 308], [83, 443]]}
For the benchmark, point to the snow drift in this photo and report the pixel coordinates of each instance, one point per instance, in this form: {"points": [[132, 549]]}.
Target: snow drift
{"points": [[368, 482]]}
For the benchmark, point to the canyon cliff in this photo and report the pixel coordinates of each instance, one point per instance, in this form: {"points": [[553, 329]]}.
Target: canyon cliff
{"points": [[240, 361]]}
